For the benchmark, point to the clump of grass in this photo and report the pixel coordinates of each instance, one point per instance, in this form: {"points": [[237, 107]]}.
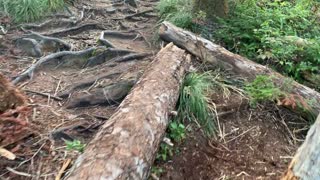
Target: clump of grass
{"points": [[194, 101], [178, 12], [29, 10]]}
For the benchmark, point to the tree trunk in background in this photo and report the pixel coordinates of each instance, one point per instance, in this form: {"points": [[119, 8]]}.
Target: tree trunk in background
{"points": [[212, 8], [306, 162], [219, 56], [125, 147]]}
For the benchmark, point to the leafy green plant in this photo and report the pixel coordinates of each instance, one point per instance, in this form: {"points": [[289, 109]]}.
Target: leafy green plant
{"points": [[157, 170], [177, 131], [194, 101], [263, 89], [285, 34], [165, 151], [75, 145]]}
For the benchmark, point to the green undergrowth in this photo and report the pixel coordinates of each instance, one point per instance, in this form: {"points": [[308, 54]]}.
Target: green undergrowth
{"points": [[283, 34], [263, 89], [29, 10], [181, 14]]}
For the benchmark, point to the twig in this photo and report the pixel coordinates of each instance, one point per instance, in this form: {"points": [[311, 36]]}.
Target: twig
{"points": [[44, 94], [19, 173], [241, 134], [55, 92], [63, 168]]}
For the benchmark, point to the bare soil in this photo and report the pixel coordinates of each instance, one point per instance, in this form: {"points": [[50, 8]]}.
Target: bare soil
{"points": [[253, 143]]}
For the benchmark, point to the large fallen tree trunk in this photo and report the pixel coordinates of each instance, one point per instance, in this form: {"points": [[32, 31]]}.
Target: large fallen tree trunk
{"points": [[306, 162], [125, 147], [218, 56]]}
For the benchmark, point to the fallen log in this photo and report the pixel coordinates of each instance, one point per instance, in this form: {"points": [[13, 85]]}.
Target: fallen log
{"points": [[306, 162], [125, 147], [216, 55]]}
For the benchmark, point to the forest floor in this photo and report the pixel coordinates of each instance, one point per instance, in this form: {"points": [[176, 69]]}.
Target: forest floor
{"points": [[66, 100]]}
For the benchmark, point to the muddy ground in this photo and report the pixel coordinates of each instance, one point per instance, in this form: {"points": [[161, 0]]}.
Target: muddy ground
{"points": [[66, 101]]}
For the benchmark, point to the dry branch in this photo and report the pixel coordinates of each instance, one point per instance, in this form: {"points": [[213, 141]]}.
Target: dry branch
{"points": [[218, 56], [306, 162], [126, 145]]}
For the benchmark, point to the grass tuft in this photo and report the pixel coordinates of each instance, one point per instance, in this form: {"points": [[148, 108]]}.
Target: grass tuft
{"points": [[194, 101], [29, 10]]}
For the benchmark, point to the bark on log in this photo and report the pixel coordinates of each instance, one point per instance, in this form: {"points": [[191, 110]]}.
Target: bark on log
{"points": [[125, 147], [219, 56], [306, 162]]}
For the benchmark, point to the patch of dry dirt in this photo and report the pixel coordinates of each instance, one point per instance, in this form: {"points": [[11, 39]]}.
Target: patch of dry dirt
{"points": [[256, 144]]}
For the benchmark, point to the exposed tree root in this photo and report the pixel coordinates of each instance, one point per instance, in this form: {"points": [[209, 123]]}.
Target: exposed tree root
{"points": [[109, 95], [53, 57], [36, 45], [131, 57], [142, 13], [105, 42], [120, 35], [106, 55], [86, 83], [75, 30]]}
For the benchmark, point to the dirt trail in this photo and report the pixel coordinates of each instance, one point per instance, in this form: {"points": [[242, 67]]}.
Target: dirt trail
{"points": [[79, 87], [85, 88]]}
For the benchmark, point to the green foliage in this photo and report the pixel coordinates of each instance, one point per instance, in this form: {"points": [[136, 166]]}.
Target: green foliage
{"points": [[263, 89], [285, 34], [29, 10], [177, 131], [157, 171], [194, 101], [165, 151], [179, 12], [75, 145]]}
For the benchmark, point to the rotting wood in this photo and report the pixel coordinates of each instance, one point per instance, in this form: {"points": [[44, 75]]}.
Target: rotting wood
{"points": [[125, 147], [305, 164], [216, 55]]}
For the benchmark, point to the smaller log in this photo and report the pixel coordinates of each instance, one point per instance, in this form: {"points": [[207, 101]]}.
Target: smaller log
{"points": [[306, 162], [218, 56]]}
